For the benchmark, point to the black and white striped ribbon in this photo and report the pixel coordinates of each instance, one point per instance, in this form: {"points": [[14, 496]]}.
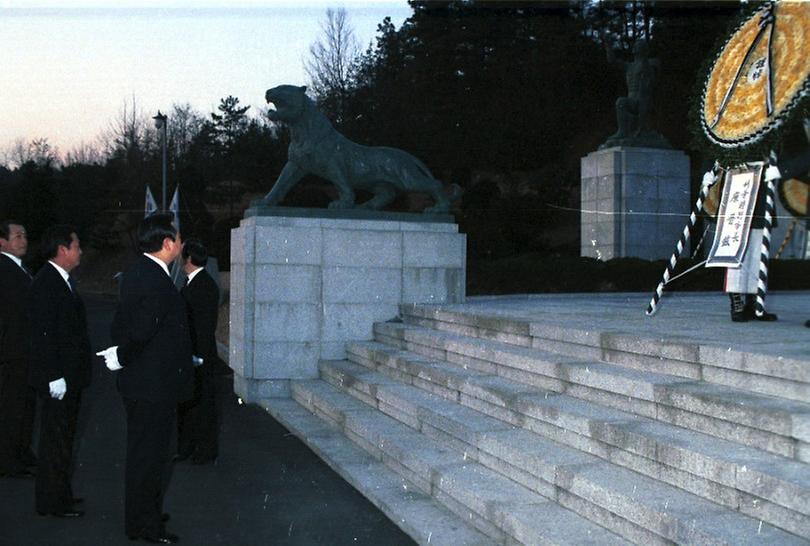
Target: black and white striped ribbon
{"points": [[772, 175], [708, 181]]}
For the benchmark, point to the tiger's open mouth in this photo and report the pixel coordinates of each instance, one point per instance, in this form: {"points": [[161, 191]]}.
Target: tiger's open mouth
{"points": [[271, 100]]}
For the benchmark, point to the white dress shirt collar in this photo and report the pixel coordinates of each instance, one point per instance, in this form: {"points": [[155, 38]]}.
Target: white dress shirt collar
{"points": [[194, 274], [160, 262], [62, 272], [14, 258]]}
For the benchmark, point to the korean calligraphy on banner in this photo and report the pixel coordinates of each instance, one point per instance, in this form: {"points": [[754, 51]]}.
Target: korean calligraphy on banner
{"points": [[735, 215]]}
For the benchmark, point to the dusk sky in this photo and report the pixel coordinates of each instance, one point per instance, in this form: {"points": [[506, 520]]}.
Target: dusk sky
{"points": [[69, 67]]}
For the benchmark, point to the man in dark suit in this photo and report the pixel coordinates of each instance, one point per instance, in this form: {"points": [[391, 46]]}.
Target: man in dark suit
{"points": [[17, 399], [153, 354], [60, 367], [197, 418]]}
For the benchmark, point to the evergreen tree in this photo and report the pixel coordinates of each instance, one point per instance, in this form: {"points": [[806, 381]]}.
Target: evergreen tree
{"points": [[230, 123]]}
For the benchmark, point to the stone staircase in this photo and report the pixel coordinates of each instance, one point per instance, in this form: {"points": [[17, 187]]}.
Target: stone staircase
{"points": [[467, 428]]}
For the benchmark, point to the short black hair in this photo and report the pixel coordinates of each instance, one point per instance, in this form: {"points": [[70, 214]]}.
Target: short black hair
{"points": [[194, 249], [5, 227], [54, 237], [154, 229]]}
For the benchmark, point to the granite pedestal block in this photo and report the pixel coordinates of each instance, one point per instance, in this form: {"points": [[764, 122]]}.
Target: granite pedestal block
{"points": [[634, 201], [304, 282]]}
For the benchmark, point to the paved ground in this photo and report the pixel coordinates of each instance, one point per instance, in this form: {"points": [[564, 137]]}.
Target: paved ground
{"points": [[266, 487]]}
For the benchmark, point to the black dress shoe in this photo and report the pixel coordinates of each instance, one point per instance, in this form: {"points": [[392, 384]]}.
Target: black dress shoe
{"points": [[807, 324], [165, 538], [766, 317], [180, 457], [63, 514]]}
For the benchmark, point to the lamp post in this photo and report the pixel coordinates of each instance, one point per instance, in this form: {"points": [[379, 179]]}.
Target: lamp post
{"points": [[160, 123]]}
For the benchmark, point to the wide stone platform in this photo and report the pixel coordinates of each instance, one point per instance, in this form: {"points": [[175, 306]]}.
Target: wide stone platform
{"points": [[688, 317], [573, 419]]}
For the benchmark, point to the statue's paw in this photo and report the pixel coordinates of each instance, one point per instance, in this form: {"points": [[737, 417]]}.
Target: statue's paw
{"points": [[341, 204]]}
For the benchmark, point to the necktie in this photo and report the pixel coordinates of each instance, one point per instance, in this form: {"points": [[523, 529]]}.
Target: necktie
{"points": [[72, 283], [26, 271]]}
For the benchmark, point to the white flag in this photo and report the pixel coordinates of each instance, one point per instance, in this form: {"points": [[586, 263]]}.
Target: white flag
{"points": [[150, 206], [174, 207], [177, 273]]}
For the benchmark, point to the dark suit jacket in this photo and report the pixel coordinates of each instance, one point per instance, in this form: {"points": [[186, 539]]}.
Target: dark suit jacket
{"points": [[151, 330], [15, 327], [202, 303], [60, 344]]}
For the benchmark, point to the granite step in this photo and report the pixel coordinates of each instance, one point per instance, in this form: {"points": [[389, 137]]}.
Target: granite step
{"points": [[714, 362], [502, 510], [639, 508], [777, 425], [752, 481], [419, 515]]}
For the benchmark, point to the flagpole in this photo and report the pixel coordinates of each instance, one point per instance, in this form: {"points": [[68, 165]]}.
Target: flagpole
{"points": [[164, 163], [160, 124]]}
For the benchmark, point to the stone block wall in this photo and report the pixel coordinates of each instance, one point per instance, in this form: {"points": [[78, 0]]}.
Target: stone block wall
{"points": [[302, 287], [634, 202]]}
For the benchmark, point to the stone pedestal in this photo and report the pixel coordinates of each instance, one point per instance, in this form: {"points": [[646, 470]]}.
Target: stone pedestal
{"points": [[306, 281], [634, 201]]}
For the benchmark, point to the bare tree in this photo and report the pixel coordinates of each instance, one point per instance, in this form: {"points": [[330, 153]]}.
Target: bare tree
{"points": [[16, 153], [184, 124], [331, 58], [128, 134], [43, 153], [84, 154], [38, 151], [130, 142]]}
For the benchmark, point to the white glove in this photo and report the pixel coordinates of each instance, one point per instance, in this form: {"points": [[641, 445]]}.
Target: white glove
{"points": [[58, 388], [110, 356], [196, 360], [772, 173], [708, 179]]}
